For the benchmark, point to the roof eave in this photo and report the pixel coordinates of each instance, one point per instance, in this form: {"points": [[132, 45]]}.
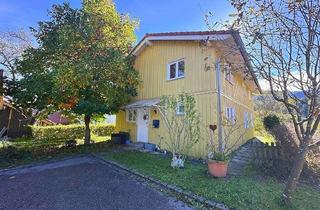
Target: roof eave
{"points": [[245, 56], [182, 37], [198, 36]]}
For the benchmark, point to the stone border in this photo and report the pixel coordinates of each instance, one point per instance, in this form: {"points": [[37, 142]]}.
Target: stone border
{"points": [[188, 194], [177, 190]]}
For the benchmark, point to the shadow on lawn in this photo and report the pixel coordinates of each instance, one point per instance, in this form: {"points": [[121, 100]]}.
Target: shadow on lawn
{"points": [[26, 151]]}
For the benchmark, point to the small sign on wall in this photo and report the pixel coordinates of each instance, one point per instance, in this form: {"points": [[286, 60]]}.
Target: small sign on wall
{"points": [[156, 123]]}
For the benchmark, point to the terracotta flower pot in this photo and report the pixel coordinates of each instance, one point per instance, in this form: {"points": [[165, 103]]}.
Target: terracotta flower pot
{"points": [[218, 168]]}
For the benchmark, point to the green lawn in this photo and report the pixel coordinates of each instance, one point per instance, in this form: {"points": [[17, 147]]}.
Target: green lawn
{"points": [[242, 193], [34, 143], [28, 150]]}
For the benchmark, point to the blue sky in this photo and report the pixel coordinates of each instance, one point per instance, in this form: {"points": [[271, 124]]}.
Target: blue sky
{"points": [[154, 15]]}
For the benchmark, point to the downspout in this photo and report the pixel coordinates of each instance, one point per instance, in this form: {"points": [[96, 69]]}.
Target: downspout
{"points": [[219, 109]]}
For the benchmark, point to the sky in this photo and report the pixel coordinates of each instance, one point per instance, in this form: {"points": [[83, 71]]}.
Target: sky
{"points": [[153, 15]]}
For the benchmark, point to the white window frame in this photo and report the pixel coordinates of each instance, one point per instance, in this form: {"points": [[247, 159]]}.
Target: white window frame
{"points": [[177, 70], [228, 73], [134, 113], [178, 112], [252, 119], [246, 120], [231, 114]]}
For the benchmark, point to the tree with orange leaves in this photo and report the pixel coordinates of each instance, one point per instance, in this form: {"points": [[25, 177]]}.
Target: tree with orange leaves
{"points": [[82, 63]]}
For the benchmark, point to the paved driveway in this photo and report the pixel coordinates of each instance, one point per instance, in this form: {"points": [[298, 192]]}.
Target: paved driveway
{"points": [[78, 183]]}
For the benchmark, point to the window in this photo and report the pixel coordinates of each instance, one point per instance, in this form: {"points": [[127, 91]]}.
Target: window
{"points": [[231, 114], [252, 120], [180, 109], [176, 70], [131, 115], [228, 73], [246, 120]]}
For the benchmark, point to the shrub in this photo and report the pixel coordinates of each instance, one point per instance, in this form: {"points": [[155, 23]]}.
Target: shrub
{"points": [[271, 121], [102, 129], [69, 131], [313, 160], [12, 152]]}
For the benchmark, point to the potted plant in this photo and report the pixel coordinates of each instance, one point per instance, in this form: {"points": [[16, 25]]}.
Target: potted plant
{"points": [[218, 164], [218, 158]]}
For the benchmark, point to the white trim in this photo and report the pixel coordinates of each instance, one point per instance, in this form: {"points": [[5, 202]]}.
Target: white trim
{"points": [[134, 115], [142, 103], [231, 114], [252, 119], [246, 120], [176, 62], [143, 125], [144, 43], [218, 37], [179, 104]]}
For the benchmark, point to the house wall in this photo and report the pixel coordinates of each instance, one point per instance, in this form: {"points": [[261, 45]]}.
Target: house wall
{"points": [[199, 81], [152, 66], [123, 125], [239, 96]]}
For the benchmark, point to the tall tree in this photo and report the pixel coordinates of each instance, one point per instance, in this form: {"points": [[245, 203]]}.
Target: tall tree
{"points": [[12, 45], [283, 39], [82, 64]]}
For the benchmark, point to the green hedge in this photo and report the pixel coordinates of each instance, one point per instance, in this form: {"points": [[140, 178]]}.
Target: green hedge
{"points": [[69, 131], [103, 129]]}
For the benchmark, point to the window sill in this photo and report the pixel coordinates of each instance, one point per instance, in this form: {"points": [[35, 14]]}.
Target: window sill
{"points": [[131, 121], [175, 78]]}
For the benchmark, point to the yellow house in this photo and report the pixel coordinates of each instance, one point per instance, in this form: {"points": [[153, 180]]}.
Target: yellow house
{"points": [[210, 65]]}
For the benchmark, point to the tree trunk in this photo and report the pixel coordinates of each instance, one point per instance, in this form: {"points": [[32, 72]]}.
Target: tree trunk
{"points": [[296, 170], [87, 137]]}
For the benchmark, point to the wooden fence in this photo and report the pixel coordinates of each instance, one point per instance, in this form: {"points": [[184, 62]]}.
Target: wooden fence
{"points": [[270, 154]]}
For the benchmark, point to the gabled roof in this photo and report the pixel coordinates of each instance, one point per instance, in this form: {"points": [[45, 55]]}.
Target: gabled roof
{"points": [[182, 36], [199, 36]]}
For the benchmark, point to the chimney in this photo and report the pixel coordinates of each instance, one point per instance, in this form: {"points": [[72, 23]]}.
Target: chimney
{"points": [[1, 89]]}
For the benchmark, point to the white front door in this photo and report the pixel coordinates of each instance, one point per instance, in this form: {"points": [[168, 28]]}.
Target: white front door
{"points": [[142, 124]]}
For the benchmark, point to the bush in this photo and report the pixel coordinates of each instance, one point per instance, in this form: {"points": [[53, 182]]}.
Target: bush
{"points": [[102, 129], [69, 131], [261, 132], [313, 165], [12, 152], [271, 121]]}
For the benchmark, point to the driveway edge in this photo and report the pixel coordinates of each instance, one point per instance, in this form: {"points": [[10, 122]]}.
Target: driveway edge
{"points": [[209, 203], [42, 162]]}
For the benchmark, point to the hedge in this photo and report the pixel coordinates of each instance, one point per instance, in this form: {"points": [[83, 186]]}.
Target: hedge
{"points": [[69, 131]]}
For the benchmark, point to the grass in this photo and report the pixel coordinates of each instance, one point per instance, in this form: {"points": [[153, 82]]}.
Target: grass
{"points": [[34, 143], [266, 139], [242, 193], [28, 150], [261, 133]]}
